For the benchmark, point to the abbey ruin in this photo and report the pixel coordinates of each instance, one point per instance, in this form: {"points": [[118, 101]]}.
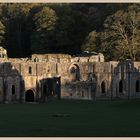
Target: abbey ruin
{"points": [[84, 76]]}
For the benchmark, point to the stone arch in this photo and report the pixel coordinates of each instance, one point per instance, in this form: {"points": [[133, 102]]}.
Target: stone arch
{"points": [[137, 86], [74, 71], [103, 87], [29, 95]]}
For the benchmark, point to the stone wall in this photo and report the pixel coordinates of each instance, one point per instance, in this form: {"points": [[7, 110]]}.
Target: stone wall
{"points": [[81, 77]]}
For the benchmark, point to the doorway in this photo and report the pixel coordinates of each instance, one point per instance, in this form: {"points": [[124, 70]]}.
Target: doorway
{"points": [[29, 96]]}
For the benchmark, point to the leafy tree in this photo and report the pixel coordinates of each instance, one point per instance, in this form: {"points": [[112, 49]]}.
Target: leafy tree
{"points": [[70, 30], [58, 28], [120, 38], [44, 21], [91, 42], [2, 34]]}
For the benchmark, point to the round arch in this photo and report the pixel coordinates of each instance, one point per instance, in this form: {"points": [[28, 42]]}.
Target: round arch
{"points": [[103, 87], [74, 71], [29, 96], [74, 65]]}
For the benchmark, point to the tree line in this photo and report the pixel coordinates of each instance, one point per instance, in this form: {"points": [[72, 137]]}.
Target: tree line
{"points": [[70, 28]]}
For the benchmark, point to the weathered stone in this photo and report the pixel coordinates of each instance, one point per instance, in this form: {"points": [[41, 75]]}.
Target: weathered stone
{"points": [[58, 76]]}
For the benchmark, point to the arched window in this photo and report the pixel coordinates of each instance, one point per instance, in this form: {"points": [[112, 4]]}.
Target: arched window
{"points": [[137, 86], [30, 70], [103, 87], [72, 70], [48, 70], [99, 58], [13, 89], [120, 86], [75, 72]]}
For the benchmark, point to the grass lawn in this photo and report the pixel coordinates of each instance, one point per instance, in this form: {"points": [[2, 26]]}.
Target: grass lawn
{"points": [[71, 118]]}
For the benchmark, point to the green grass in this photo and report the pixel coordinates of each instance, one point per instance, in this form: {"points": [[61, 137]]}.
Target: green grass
{"points": [[85, 118]]}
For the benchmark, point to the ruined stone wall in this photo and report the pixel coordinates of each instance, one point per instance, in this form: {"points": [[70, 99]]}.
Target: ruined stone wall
{"points": [[87, 77], [112, 79]]}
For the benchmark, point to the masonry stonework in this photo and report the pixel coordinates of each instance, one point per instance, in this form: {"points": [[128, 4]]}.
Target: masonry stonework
{"points": [[47, 76]]}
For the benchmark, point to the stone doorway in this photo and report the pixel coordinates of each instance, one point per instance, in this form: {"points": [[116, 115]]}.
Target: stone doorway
{"points": [[29, 96]]}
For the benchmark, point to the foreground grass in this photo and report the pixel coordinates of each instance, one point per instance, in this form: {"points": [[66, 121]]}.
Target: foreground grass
{"points": [[81, 118]]}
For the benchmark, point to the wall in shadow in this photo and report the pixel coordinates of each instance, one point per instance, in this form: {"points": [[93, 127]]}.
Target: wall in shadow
{"points": [[50, 88], [124, 78], [11, 84]]}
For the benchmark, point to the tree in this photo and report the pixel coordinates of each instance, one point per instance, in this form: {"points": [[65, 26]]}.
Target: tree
{"points": [[2, 33], [42, 34], [15, 17], [70, 29], [28, 30], [91, 42], [121, 34]]}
